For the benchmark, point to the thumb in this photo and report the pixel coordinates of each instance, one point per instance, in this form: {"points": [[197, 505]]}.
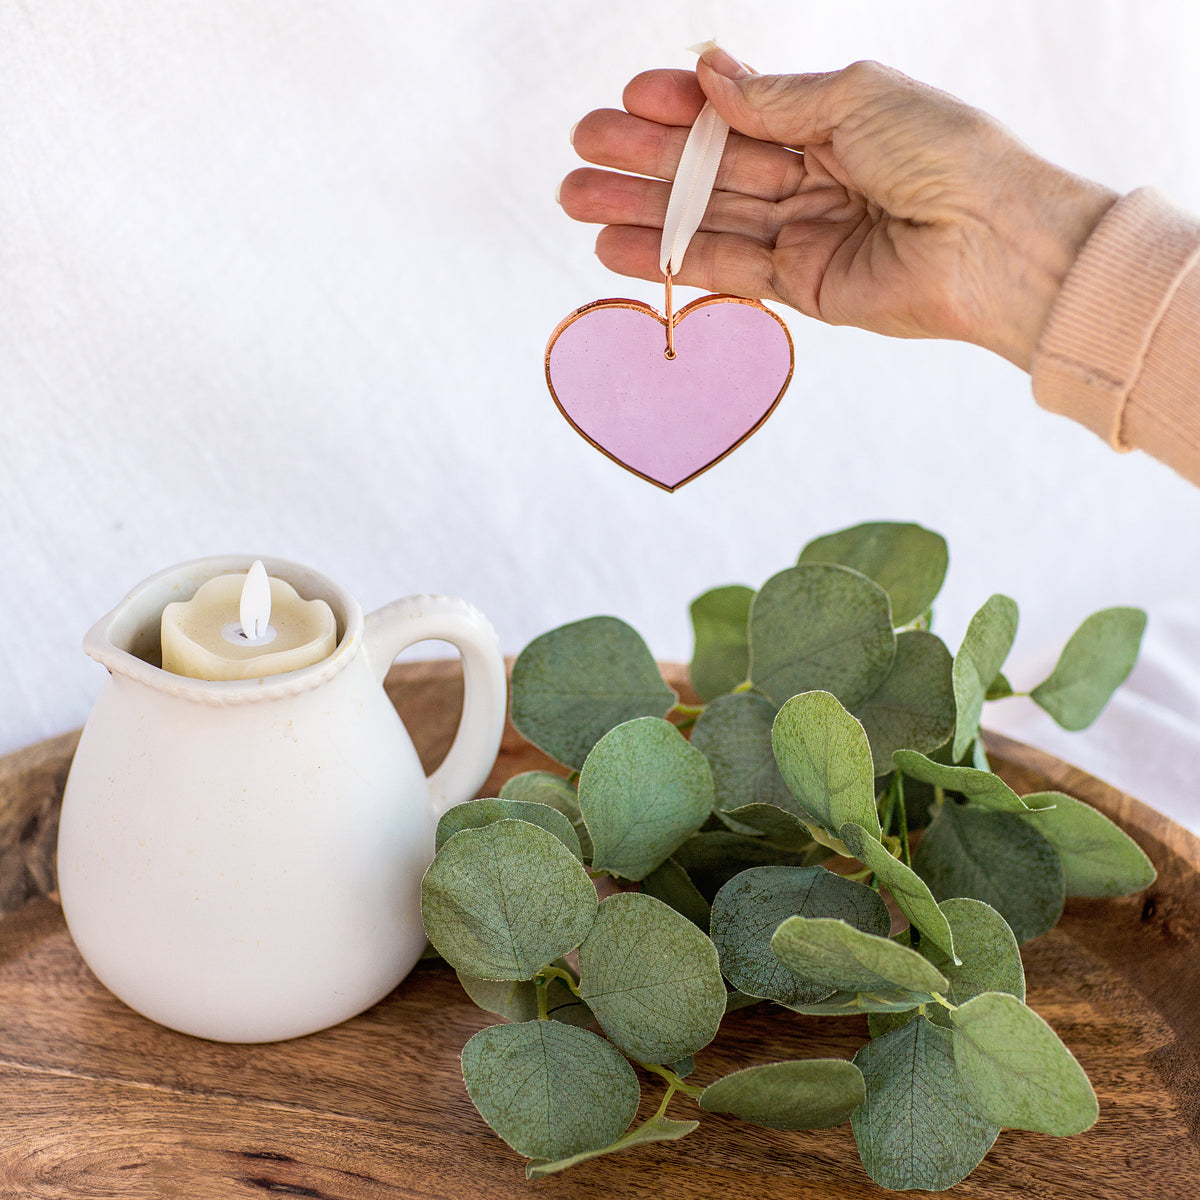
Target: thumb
{"points": [[793, 110]]}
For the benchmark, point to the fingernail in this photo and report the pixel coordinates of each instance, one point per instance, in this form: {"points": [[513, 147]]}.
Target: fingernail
{"points": [[724, 64], [558, 194], [571, 135]]}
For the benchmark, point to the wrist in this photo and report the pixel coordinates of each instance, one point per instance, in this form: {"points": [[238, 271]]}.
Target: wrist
{"points": [[1041, 223]]}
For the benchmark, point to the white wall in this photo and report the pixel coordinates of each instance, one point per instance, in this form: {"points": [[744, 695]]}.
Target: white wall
{"points": [[278, 277]]}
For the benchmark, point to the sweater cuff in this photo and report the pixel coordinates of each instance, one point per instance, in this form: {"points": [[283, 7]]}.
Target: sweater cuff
{"points": [[1093, 348]]}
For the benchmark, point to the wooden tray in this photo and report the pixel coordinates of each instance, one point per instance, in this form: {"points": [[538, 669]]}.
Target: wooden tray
{"points": [[97, 1101]]}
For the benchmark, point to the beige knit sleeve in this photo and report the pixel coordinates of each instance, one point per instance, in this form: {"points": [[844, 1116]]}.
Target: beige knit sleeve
{"points": [[1120, 352]]}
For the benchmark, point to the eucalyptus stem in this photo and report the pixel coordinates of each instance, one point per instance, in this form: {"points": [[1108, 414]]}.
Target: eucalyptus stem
{"points": [[674, 1082], [543, 988], [662, 1108], [902, 812], [551, 972], [688, 710]]}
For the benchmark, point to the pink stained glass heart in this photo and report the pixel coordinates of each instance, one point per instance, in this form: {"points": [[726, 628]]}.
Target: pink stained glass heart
{"points": [[669, 420]]}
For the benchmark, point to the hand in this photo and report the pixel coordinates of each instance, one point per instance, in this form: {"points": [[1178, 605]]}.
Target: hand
{"points": [[859, 197]]}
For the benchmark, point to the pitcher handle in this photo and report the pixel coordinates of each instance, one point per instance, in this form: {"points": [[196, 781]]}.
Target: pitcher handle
{"points": [[391, 629]]}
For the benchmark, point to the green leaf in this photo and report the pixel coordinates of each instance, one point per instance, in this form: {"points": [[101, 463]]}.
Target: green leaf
{"points": [[984, 648], [477, 814], [670, 884], [1098, 858], [969, 851], [991, 961], [548, 1089], [516, 1000], [981, 787], [917, 1127], [824, 757], [721, 657], [572, 685], [652, 979], [890, 1002], [503, 901], [907, 561], [1017, 1069], [999, 688], [751, 906], [839, 956], [908, 889], [820, 628], [1094, 663], [655, 1129], [734, 734], [812, 1093], [643, 791], [542, 787], [713, 859], [914, 706], [777, 826]]}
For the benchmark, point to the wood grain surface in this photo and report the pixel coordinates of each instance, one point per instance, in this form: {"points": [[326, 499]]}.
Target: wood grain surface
{"points": [[98, 1102]]}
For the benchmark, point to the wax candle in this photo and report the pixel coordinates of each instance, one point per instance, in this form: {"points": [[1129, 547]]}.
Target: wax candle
{"points": [[245, 626]]}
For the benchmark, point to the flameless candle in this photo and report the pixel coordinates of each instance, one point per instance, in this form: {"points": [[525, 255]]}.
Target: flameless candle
{"points": [[245, 627]]}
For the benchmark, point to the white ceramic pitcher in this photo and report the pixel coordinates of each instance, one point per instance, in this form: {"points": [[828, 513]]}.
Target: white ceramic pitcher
{"points": [[241, 860]]}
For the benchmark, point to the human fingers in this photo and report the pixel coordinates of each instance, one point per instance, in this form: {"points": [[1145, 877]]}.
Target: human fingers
{"points": [[716, 262], [794, 110], [668, 96], [624, 142], [606, 198]]}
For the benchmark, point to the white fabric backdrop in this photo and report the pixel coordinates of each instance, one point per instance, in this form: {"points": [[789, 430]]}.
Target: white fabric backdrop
{"points": [[277, 277]]}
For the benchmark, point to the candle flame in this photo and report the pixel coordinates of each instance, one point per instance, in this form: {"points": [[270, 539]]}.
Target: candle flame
{"points": [[255, 607]]}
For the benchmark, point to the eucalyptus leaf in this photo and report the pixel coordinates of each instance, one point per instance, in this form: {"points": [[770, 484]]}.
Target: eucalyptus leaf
{"points": [[776, 825], [549, 1090], [907, 561], [652, 979], [670, 883], [969, 851], [713, 859], [991, 960], [572, 685], [914, 706], [734, 734], [981, 787], [721, 653], [503, 901], [999, 688], [1094, 663], [812, 1093], [838, 956], [516, 1000], [819, 627], [1098, 858], [476, 814], [654, 1129], [917, 1127], [1017, 1069], [543, 787], [907, 888], [894, 1002], [751, 906], [643, 791], [824, 757], [984, 648]]}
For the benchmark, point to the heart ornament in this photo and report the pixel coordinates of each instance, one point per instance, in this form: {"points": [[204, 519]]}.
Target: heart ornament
{"points": [[668, 417], [668, 412]]}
